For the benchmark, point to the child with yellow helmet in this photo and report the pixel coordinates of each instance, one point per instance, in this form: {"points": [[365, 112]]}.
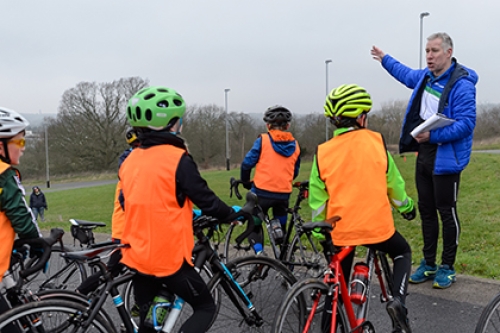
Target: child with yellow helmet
{"points": [[354, 176]]}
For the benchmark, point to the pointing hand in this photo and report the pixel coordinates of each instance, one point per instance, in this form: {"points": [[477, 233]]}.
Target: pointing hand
{"points": [[377, 53]]}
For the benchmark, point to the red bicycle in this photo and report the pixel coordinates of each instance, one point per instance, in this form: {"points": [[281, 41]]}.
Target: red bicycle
{"points": [[328, 304]]}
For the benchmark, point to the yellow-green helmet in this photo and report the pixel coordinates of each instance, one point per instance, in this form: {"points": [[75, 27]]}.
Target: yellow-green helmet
{"points": [[348, 100], [155, 107]]}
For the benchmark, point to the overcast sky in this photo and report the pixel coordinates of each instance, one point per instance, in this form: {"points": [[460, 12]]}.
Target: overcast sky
{"points": [[266, 51]]}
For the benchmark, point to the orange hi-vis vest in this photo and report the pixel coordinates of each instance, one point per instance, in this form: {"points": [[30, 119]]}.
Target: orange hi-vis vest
{"points": [[118, 218], [274, 172], [353, 166], [158, 230], [7, 235]]}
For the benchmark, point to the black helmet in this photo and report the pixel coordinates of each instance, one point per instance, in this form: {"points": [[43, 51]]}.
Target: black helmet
{"points": [[277, 115]]}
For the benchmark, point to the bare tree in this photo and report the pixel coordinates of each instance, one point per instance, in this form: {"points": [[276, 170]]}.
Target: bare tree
{"points": [[205, 134], [89, 128], [243, 132], [487, 121], [388, 120], [309, 130]]}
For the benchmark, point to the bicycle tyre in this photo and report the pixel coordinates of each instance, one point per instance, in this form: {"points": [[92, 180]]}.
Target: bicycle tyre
{"points": [[264, 280], [230, 250], [295, 309], [52, 316], [68, 295], [61, 273], [489, 321], [304, 258], [186, 312]]}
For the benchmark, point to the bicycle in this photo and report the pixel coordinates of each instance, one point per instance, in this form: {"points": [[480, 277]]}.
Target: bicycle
{"points": [[29, 256], [489, 321], [299, 249], [326, 305], [62, 273], [244, 291]]}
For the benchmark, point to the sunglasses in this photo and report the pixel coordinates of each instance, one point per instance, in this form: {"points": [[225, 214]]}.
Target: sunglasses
{"points": [[19, 142]]}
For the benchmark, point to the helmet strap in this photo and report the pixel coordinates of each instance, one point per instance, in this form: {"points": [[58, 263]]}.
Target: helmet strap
{"points": [[175, 126], [5, 157]]}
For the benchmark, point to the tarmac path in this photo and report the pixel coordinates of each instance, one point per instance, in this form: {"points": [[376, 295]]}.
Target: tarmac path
{"points": [[456, 309]]}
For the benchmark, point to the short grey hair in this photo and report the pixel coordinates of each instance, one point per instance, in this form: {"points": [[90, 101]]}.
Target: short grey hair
{"points": [[446, 43]]}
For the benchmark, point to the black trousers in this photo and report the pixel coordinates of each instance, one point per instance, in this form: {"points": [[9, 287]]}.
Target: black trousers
{"points": [[279, 208], [400, 252], [185, 283], [437, 194]]}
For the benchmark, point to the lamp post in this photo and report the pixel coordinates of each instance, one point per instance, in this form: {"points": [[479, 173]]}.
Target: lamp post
{"points": [[227, 130], [422, 15], [327, 91], [47, 156]]}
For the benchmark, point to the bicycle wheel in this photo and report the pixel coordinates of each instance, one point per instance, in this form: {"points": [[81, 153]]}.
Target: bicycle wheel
{"points": [[186, 312], [231, 251], [295, 310], [68, 295], [305, 258], [489, 321], [265, 281], [51, 316], [60, 273]]}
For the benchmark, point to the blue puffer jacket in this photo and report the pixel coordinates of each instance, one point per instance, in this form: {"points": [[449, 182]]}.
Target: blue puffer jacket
{"points": [[458, 101]]}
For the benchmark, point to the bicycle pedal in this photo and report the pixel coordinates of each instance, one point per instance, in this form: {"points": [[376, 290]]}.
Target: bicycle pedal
{"points": [[366, 326], [383, 299]]}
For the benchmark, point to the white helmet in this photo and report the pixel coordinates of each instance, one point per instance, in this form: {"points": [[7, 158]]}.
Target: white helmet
{"points": [[11, 123]]}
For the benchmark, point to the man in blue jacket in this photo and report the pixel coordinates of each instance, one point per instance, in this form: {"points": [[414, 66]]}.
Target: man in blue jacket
{"points": [[446, 87]]}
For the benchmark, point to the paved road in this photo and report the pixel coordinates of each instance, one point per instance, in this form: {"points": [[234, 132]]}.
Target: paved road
{"points": [[493, 151], [456, 309], [73, 185]]}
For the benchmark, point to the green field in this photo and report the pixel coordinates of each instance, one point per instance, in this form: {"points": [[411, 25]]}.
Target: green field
{"points": [[478, 210]]}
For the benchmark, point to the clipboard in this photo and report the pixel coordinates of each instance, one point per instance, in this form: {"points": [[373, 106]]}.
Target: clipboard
{"points": [[437, 120]]}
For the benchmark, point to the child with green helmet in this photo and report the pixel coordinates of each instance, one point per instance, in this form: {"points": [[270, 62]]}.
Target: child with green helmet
{"points": [[354, 176], [160, 184]]}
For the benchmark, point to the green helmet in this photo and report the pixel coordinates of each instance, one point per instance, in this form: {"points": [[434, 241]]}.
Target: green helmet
{"points": [[348, 100], [155, 107]]}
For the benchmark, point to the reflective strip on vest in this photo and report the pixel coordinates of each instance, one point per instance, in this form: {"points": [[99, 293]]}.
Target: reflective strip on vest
{"points": [[159, 231], [274, 172], [353, 166]]}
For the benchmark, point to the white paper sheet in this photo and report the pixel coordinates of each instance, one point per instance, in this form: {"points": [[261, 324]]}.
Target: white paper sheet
{"points": [[437, 120]]}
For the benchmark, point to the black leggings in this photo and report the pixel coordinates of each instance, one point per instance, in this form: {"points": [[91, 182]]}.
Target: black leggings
{"points": [[185, 283], [399, 250], [437, 194], [279, 208]]}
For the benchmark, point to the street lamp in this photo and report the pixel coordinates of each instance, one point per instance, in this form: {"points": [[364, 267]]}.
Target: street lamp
{"points": [[327, 91], [227, 131], [47, 156], [422, 15]]}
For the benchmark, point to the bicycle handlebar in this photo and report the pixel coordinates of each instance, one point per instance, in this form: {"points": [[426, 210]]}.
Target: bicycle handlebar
{"points": [[45, 244], [234, 184]]}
